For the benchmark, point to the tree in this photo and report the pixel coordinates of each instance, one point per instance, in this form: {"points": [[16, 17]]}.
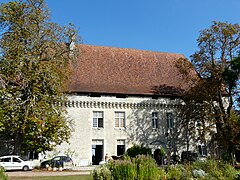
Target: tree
{"points": [[213, 94], [35, 67]]}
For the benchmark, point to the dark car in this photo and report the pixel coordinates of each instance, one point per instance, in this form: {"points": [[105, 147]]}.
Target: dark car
{"points": [[189, 156], [58, 161]]}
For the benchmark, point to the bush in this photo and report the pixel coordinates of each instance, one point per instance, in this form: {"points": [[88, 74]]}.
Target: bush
{"points": [[228, 171], [144, 167], [3, 176], [141, 167], [138, 150], [186, 171], [162, 174], [216, 169], [174, 173], [101, 173], [123, 169]]}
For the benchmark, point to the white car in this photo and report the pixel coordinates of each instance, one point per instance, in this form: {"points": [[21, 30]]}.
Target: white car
{"points": [[13, 162]]}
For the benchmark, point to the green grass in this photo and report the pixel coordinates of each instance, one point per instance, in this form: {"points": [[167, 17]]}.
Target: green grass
{"points": [[77, 177]]}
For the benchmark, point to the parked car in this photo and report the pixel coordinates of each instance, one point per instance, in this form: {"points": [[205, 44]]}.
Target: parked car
{"points": [[13, 162], [58, 161], [189, 156]]}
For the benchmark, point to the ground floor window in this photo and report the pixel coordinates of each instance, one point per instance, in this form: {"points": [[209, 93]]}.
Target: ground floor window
{"points": [[120, 147], [202, 149], [33, 155]]}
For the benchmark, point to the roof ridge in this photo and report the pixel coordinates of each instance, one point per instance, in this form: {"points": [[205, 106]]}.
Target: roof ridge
{"points": [[130, 49]]}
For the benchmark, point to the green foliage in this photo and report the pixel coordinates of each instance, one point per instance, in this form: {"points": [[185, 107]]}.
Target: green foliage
{"points": [[217, 64], [228, 171], [231, 73], [179, 172], [123, 169], [186, 171], [101, 173], [174, 173], [216, 169], [162, 174], [3, 176], [162, 152], [35, 67], [136, 150], [144, 167]]}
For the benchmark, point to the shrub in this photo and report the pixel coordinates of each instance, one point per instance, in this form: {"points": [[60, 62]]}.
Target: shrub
{"points": [[228, 171], [215, 169], [123, 169], [146, 167], [186, 171], [3, 176], [137, 150], [174, 173], [162, 174], [140, 168], [101, 173]]}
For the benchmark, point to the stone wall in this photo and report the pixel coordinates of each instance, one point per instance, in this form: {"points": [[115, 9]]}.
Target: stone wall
{"points": [[138, 128]]}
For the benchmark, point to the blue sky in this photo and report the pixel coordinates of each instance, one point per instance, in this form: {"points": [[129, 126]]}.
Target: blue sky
{"points": [[156, 25]]}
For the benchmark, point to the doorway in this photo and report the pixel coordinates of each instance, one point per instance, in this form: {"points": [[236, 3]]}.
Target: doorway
{"points": [[120, 147], [97, 151]]}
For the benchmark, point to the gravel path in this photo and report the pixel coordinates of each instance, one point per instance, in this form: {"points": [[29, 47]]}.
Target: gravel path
{"points": [[34, 173]]}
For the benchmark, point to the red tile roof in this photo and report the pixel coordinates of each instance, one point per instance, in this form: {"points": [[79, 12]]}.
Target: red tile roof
{"points": [[110, 70]]}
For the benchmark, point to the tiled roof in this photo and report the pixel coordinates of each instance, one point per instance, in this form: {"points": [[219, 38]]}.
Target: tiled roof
{"points": [[110, 70]]}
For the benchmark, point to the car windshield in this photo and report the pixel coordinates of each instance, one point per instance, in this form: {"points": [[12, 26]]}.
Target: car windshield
{"points": [[57, 158], [22, 158]]}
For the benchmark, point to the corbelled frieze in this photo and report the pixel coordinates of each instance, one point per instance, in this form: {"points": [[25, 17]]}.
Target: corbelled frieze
{"points": [[121, 105]]}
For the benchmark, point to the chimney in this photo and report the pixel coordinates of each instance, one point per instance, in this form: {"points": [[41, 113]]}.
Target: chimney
{"points": [[72, 40]]}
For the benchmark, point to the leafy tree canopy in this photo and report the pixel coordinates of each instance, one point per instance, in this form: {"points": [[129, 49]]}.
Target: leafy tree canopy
{"points": [[35, 56], [218, 65]]}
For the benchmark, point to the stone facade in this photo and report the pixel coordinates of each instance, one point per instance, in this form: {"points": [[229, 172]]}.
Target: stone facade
{"points": [[138, 127]]}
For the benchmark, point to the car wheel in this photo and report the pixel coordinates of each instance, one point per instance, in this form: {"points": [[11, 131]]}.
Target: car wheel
{"points": [[25, 168], [46, 165]]}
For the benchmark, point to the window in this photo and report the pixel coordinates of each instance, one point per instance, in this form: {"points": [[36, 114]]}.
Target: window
{"points": [[119, 119], [198, 123], [6, 159], [169, 120], [56, 158], [16, 160], [154, 120], [202, 149], [98, 119]]}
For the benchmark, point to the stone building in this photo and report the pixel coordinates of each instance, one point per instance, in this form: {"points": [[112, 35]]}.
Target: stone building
{"points": [[120, 97]]}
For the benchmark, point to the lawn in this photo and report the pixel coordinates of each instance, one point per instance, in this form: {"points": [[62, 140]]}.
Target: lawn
{"points": [[77, 177]]}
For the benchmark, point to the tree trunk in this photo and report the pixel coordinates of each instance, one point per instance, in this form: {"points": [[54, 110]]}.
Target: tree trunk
{"points": [[17, 145]]}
